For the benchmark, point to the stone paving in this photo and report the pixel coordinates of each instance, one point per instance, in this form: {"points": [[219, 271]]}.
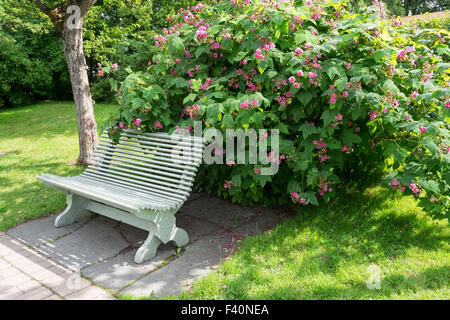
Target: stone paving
{"points": [[39, 261]]}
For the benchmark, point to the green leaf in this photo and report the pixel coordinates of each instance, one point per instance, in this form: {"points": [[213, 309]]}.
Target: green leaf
{"points": [[389, 85], [293, 186], [237, 180], [307, 130], [328, 116], [300, 165], [350, 138], [304, 97], [381, 53], [430, 186], [272, 74], [311, 198], [175, 44], [190, 98]]}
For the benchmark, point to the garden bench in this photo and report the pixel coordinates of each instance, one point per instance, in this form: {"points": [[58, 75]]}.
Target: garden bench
{"points": [[143, 180]]}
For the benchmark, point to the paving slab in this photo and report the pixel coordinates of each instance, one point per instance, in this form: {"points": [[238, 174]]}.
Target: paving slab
{"points": [[120, 271], [103, 250], [218, 211], [198, 259], [92, 243], [41, 231]]}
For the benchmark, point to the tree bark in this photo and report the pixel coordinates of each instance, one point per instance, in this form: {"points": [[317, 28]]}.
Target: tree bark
{"points": [[76, 62]]}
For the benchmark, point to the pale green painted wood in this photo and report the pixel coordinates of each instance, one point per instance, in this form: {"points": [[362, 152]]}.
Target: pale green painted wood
{"points": [[75, 204], [136, 182]]}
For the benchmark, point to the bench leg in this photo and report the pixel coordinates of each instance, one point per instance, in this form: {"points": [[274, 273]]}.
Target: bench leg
{"points": [[76, 204], [148, 249], [179, 237]]}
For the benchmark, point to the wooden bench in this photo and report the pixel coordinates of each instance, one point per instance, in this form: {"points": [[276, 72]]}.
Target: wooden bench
{"points": [[143, 181]]}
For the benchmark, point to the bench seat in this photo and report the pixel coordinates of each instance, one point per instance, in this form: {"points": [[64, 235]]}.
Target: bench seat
{"points": [[113, 194]]}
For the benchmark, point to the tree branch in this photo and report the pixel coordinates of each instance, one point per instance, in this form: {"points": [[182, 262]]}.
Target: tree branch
{"points": [[41, 6], [85, 6]]}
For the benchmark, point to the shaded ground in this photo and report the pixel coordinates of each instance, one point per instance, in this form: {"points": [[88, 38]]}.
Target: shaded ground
{"points": [[103, 250]]}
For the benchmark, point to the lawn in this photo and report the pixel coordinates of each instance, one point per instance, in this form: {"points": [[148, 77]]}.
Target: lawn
{"points": [[37, 139], [325, 253], [318, 253]]}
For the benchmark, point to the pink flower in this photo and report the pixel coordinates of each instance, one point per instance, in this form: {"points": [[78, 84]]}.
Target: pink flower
{"points": [[295, 195], [348, 65], [225, 185], [292, 79], [423, 129], [300, 73], [230, 162], [339, 117], [122, 126], [197, 67], [345, 94], [137, 121], [256, 171], [244, 62], [414, 94], [298, 51], [158, 125], [297, 85], [302, 200], [115, 66], [414, 188], [394, 182], [373, 114], [333, 98]]}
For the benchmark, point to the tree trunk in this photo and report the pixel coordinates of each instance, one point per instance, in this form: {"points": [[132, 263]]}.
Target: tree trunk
{"points": [[76, 61]]}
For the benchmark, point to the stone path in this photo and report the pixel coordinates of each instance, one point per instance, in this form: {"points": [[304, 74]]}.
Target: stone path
{"points": [[39, 261], [27, 275]]}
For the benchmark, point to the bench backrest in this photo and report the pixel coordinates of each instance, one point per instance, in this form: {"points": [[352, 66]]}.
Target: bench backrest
{"points": [[159, 164]]}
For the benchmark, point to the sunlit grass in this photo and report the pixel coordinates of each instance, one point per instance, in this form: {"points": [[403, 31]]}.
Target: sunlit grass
{"points": [[325, 253], [37, 139]]}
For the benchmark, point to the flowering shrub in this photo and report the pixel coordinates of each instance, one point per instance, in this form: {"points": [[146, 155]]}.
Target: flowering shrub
{"points": [[349, 93]]}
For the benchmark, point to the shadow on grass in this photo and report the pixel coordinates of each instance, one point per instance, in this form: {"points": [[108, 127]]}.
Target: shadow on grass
{"points": [[433, 278], [376, 226]]}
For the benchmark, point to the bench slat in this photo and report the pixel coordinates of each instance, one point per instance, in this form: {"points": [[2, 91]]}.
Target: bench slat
{"points": [[127, 185], [180, 184], [137, 156], [120, 187], [141, 166], [163, 157], [155, 188]]}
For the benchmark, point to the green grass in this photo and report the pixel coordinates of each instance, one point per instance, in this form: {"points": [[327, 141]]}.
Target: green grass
{"points": [[319, 253], [325, 254], [37, 139]]}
